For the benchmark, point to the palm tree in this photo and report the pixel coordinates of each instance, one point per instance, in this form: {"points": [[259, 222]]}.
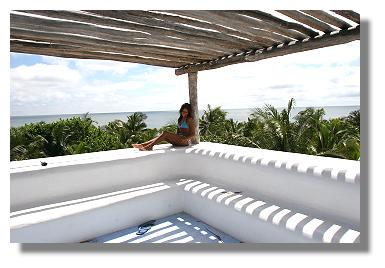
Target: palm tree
{"points": [[171, 126], [352, 123], [135, 123], [133, 131], [232, 126], [212, 121], [24, 145], [266, 128], [354, 119], [234, 134], [278, 131], [307, 125], [349, 148], [329, 136], [67, 134]]}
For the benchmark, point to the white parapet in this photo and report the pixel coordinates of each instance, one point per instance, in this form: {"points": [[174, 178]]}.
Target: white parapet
{"points": [[276, 183]]}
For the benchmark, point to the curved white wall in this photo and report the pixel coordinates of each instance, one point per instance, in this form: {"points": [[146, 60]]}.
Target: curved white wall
{"points": [[324, 187], [316, 194]]}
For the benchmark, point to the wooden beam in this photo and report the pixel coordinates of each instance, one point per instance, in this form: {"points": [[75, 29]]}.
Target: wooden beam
{"points": [[349, 14], [131, 20], [102, 45], [78, 53], [343, 36], [267, 25], [212, 29], [266, 17], [326, 17], [22, 34], [154, 22], [308, 20], [179, 32], [176, 16], [215, 19], [246, 24], [74, 28], [193, 94]]}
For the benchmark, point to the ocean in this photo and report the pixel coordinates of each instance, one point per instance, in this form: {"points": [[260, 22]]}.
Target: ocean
{"points": [[157, 119]]}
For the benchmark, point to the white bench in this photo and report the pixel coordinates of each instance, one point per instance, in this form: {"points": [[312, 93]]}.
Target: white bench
{"points": [[86, 218], [241, 215], [252, 220]]}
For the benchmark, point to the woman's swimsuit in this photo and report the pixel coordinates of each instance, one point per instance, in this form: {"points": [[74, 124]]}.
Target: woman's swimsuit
{"points": [[184, 125]]}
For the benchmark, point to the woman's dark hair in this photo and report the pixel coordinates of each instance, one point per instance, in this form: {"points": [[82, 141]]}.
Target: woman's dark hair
{"points": [[184, 106]]}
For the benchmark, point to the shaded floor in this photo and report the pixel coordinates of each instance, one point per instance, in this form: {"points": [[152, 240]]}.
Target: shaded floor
{"points": [[177, 228]]}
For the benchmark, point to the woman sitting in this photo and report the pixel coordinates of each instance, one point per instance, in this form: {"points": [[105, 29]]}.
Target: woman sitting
{"points": [[183, 136]]}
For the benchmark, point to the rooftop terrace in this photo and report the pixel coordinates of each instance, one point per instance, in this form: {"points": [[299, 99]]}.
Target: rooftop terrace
{"points": [[251, 195]]}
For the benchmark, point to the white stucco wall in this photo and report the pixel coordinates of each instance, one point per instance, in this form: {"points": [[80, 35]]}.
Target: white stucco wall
{"points": [[326, 187], [322, 187]]}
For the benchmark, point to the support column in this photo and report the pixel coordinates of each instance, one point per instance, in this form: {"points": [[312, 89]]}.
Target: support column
{"points": [[192, 86]]}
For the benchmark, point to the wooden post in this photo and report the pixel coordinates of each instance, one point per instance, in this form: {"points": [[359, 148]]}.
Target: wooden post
{"points": [[192, 86]]}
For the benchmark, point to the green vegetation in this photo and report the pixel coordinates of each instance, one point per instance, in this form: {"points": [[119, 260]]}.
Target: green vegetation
{"points": [[267, 128]]}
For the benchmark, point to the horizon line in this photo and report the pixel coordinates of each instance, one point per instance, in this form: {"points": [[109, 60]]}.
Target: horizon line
{"points": [[177, 110]]}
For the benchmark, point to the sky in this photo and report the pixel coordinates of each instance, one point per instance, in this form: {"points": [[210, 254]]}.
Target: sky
{"points": [[41, 85]]}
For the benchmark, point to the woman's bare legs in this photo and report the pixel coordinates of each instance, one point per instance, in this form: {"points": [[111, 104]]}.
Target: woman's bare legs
{"points": [[165, 136], [140, 145]]}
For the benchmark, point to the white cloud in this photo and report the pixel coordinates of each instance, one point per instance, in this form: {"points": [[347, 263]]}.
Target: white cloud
{"points": [[54, 60], [41, 83], [309, 77], [105, 86], [328, 76], [44, 72], [90, 66]]}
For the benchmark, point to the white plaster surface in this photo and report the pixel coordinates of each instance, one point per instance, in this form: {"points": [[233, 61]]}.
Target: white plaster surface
{"points": [[177, 228], [325, 188]]}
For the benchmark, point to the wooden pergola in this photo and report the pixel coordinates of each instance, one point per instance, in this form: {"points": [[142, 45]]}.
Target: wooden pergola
{"points": [[187, 40]]}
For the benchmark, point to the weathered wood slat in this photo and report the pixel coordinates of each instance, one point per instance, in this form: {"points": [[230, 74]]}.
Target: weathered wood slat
{"points": [[247, 22], [310, 21], [99, 45], [325, 17], [242, 23], [267, 26], [19, 21], [250, 23], [73, 52], [158, 23], [212, 18], [349, 14], [190, 40], [326, 40], [152, 27], [215, 29], [266, 17], [86, 41], [46, 25], [193, 37], [176, 17]]}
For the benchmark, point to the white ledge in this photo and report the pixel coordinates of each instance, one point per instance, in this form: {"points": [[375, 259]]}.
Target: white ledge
{"points": [[324, 187], [326, 167], [261, 221]]}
